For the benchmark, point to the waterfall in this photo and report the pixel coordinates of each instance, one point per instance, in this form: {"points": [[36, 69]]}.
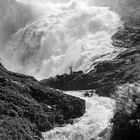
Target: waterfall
{"points": [[66, 32]]}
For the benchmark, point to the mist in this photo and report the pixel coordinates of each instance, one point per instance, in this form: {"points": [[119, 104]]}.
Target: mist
{"points": [[43, 38], [129, 10], [14, 16]]}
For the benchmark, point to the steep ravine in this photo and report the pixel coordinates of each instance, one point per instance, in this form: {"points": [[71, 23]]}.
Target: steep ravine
{"points": [[29, 107]]}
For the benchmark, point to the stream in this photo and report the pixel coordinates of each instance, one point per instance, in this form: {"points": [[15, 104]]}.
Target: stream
{"points": [[99, 112]]}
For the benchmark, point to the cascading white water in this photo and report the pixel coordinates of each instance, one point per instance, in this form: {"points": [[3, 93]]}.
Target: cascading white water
{"points": [[99, 111], [69, 32]]}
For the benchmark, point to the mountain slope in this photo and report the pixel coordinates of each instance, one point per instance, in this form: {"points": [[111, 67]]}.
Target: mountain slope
{"points": [[28, 108]]}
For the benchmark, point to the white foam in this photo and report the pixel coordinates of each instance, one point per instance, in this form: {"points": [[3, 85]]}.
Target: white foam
{"points": [[99, 111], [71, 33]]}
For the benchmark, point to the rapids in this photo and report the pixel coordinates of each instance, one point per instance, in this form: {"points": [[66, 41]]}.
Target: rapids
{"points": [[99, 111]]}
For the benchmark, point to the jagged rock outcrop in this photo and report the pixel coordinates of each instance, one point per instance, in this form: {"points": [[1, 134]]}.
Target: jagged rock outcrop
{"points": [[127, 117], [28, 108], [107, 74]]}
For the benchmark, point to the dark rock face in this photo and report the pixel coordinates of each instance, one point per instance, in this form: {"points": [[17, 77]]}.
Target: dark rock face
{"points": [[128, 37], [107, 74], [28, 108], [127, 118]]}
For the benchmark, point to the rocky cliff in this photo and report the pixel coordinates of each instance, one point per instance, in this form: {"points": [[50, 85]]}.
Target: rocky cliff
{"points": [[107, 74], [118, 77], [28, 108], [127, 117]]}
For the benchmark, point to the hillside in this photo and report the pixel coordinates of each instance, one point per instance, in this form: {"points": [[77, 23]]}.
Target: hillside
{"points": [[28, 108]]}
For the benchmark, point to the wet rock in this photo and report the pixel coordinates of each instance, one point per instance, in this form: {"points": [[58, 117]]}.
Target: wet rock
{"points": [[126, 122], [89, 93]]}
